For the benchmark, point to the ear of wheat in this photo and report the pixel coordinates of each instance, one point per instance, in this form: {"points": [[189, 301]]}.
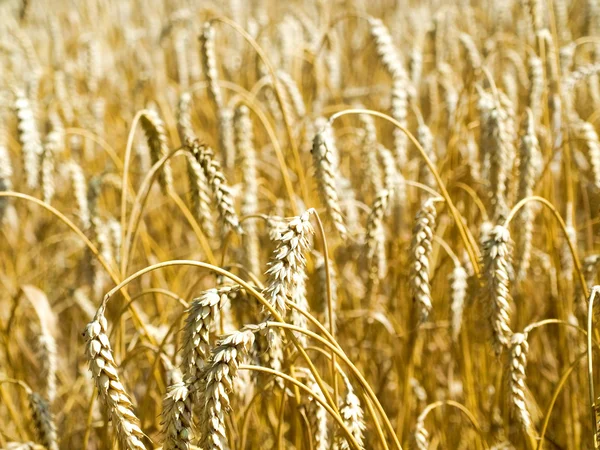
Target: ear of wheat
{"points": [[110, 390], [495, 260], [420, 253]]}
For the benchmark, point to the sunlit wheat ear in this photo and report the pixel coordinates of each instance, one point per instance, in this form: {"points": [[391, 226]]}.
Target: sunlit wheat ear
{"points": [[471, 52], [157, 142], [177, 417], [425, 138], [288, 261], [43, 421], [496, 143], [400, 113], [180, 44], [353, 416], [29, 138], [536, 85], [322, 289], [246, 153], [529, 168], [218, 184], [585, 132], [516, 380], [80, 191], [217, 384], [317, 416], [298, 296], [52, 146], [184, 117], [198, 325], [47, 355], [294, 94], [368, 147], [458, 288], [495, 254], [375, 238], [110, 390], [6, 171], [209, 64], [420, 254], [326, 174], [420, 438], [386, 50], [226, 136]]}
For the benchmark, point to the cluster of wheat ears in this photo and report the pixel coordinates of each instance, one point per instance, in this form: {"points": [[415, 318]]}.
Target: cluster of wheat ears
{"points": [[305, 225]]}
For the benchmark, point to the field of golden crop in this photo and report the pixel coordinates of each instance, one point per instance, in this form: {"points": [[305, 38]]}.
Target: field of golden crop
{"points": [[319, 225]]}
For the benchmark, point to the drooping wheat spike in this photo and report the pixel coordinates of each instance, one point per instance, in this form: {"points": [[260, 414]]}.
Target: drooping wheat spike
{"points": [[226, 136], [374, 236], [156, 135], [317, 416], [353, 416], [386, 50], [217, 384], [244, 141], [298, 296], [420, 438], [400, 113], [420, 253], [199, 189], [198, 325], [496, 260], [47, 356], [6, 170], [585, 132], [529, 167], [495, 140], [425, 138], [458, 288], [288, 261], [180, 45], [322, 285], [326, 174], [292, 91], [415, 67], [80, 191], [29, 139], [516, 380], [209, 64], [52, 146], [534, 9], [43, 421], [218, 184], [536, 85], [110, 390], [471, 52], [184, 118], [177, 417], [373, 175]]}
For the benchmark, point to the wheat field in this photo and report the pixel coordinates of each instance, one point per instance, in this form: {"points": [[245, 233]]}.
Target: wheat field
{"points": [[299, 225]]}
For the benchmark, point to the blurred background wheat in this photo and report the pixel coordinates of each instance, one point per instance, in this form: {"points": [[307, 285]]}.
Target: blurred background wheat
{"points": [[299, 225]]}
